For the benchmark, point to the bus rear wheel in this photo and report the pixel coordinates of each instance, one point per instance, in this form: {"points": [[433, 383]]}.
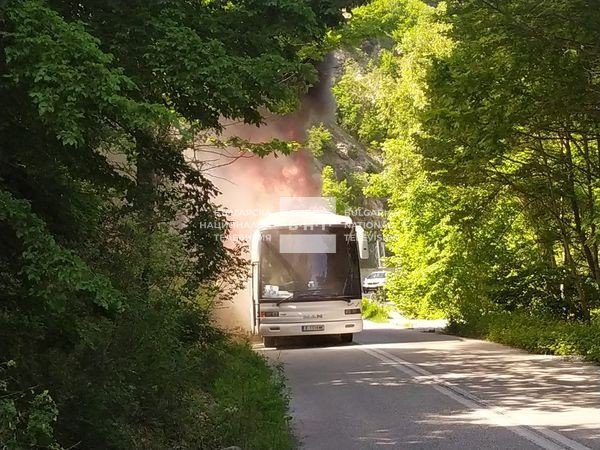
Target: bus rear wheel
{"points": [[269, 341], [347, 338]]}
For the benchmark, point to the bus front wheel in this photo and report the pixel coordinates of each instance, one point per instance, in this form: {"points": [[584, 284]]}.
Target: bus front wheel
{"points": [[269, 341], [347, 338]]}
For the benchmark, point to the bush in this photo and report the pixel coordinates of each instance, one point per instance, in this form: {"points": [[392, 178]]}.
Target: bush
{"points": [[534, 334], [252, 402], [358, 109], [26, 418], [118, 351], [374, 310], [319, 140], [336, 189], [165, 394]]}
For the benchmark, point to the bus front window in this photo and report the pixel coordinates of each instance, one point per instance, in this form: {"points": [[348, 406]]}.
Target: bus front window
{"points": [[316, 264]]}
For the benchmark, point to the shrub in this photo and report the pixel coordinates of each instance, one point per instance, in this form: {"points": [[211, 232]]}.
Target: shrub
{"points": [[319, 140], [252, 402], [374, 310], [336, 189], [119, 352], [26, 418], [534, 334]]}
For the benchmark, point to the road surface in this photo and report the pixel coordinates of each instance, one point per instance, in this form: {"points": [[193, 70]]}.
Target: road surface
{"points": [[408, 389]]}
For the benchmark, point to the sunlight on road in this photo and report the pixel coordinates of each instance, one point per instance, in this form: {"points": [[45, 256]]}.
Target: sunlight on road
{"points": [[427, 387]]}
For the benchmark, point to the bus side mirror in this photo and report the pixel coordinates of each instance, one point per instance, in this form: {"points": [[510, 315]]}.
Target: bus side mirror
{"points": [[362, 242]]}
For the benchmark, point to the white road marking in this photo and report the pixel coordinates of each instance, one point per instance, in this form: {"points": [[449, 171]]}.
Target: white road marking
{"points": [[542, 437]]}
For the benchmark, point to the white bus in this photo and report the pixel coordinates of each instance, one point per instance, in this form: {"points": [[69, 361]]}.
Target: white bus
{"points": [[306, 275]]}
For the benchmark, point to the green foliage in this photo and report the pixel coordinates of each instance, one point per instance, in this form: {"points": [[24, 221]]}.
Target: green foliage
{"points": [[319, 140], [26, 418], [537, 334], [339, 190], [252, 410], [63, 69], [356, 96], [50, 273], [507, 114], [490, 148], [347, 192], [275, 146], [425, 246], [380, 99], [107, 273], [375, 310], [379, 18]]}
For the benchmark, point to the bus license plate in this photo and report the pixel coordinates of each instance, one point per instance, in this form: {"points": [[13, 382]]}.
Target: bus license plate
{"points": [[313, 327]]}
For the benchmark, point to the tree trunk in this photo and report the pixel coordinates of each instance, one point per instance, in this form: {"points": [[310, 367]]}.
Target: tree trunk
{"points": [[145, 195], [145, 199], [575, 209]]}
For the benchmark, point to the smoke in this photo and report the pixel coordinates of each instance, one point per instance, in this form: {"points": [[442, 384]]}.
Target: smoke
{"points": [[250, 184], [252, 187], [248, 181]]}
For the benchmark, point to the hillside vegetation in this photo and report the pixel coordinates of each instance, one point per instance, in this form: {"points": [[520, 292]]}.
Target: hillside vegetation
{"points": [[486, 114], [475, 123], [107, 274]]}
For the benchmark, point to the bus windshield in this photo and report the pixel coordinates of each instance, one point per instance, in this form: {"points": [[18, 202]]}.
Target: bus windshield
{"points": [[309, 264]]}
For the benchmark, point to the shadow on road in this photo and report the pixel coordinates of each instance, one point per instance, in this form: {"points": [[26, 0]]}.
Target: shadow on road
{"points": [[304, 342], [509, 377], [538, 390], [379, 336]]}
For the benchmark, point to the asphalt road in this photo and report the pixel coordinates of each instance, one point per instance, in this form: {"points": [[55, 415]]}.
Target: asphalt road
{"points": [[408, 389]]}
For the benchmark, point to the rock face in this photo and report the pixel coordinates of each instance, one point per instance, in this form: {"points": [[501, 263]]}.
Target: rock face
{"points": [[343, 150], [347, 156]]}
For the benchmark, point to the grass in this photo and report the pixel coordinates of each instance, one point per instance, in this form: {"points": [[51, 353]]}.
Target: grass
{"points": [[535, 334], [253, 402], [375, 311]]}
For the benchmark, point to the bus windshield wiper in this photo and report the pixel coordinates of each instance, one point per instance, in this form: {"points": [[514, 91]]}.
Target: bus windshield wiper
{"points": [[305, 294], [284, 299], [348, 298]]}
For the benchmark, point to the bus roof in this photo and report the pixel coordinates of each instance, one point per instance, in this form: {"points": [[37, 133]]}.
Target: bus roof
{"points": [[303, 217]]}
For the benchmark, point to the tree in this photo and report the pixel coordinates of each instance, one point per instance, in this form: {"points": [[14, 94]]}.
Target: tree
{"points": [[491, 153], [514, 107], [106, 269]]}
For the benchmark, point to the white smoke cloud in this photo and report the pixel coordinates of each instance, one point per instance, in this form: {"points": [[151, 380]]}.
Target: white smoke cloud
{"points": [[252, 187]]}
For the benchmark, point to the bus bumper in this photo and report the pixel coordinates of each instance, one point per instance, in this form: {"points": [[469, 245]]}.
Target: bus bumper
{"points": [[309, 329]]}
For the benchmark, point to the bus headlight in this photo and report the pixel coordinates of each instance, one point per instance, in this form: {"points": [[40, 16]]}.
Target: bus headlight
{"points": [[352, 311], [269, 314]]}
